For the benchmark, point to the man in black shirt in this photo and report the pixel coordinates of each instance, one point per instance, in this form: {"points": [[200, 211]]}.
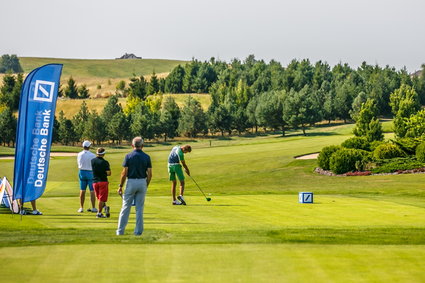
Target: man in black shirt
{"points": [[101, 171], [138, 172]]}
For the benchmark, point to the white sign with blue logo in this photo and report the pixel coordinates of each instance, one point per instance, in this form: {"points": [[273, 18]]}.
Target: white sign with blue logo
{"points": [[305, 197]]}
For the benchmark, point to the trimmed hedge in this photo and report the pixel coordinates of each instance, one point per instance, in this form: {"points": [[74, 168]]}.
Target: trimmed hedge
{"points": [[387, 151], [396, 164], [347, 159], [420, 152], [357, 143], [325, 155]]}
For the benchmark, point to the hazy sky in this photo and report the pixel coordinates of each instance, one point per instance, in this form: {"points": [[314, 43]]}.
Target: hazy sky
{"points": [[383, 32]]}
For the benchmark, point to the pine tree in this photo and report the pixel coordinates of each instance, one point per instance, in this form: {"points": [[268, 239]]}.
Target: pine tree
{"points": [[71, 90], [367, 124], [8, 125]]}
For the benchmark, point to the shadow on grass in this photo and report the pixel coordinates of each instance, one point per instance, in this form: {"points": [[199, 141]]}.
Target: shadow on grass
{"points": [[210, 205], [22, 236]]}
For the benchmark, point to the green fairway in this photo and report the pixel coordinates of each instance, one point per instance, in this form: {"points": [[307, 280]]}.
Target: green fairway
{"points": [[359, 229]]}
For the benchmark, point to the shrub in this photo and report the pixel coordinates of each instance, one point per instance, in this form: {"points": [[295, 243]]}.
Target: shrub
{"points": [[420, 152], [325, 155], [348, 159], [387, 151], [375, 144], [408, 145], [357, 143], [397, 164]]}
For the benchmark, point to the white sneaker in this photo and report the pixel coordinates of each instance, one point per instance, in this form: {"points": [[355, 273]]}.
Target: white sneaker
{"points": [[80, 210], [94, 209], [36, 212], [176, 202], [180, 198]]}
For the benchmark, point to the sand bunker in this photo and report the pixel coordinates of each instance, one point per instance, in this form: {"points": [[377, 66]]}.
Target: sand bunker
{"points": [[308, 156]]}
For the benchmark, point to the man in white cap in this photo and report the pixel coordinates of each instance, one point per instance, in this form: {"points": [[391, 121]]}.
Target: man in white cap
{"points": [[86, 176]]}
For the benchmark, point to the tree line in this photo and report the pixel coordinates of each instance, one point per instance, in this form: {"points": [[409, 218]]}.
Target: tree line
{"points": [[245, 96]]}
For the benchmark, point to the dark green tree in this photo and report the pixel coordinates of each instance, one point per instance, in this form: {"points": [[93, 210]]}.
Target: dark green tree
{"points": [[193, 119], [219, 119], [138, 87], [174, 81], [83, 92], [8, 124], [10, 64], [145, 122], [190, 74], [66, 133], [117, 127], [301, 108], [71, 89], [169, 119], [344, 96], [80, 120], [269, 110], [357, 105], [153, 85], [404, 103], [95, 128], [10, 91], [251, 115], [367, 123], [111, 108]]}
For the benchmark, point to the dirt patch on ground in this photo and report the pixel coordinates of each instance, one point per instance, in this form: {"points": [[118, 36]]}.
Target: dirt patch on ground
{"points": [[52, 154]]}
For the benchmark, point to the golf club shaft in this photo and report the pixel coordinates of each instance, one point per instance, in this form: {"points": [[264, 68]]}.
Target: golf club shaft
{"points": [[198, 186]]}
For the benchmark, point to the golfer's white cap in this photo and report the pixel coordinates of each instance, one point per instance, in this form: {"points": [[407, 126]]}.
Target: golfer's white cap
{"points": [[86, 144]]}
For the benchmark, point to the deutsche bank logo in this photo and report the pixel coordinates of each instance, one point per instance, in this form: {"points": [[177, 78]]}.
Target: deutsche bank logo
{"points": [[44, 91]]}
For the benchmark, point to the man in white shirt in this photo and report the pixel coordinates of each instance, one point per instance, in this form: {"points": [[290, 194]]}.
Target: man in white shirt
{"points": [[86, 176]]}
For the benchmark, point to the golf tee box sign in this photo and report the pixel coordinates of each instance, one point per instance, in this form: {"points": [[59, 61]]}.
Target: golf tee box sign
{"points": [[36, 116], [305, 197]]}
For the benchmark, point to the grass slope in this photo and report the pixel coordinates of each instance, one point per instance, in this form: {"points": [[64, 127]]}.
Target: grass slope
{"points": [[360, 229], [102, 76], [103, 68]]}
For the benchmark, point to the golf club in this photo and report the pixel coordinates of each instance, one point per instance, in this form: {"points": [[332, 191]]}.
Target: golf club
{"points": [[208, 199]]}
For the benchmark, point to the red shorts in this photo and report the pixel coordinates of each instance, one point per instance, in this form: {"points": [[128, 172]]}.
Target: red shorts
{"points": [[101, 190]]}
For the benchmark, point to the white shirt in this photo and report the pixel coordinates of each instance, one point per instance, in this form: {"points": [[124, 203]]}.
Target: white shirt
{"points": [[84, 160]]}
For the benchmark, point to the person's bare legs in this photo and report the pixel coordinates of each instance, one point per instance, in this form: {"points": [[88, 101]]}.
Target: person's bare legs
{"points": [[181, 187], [34, 206], [101, 206], [82, 198], [173, 189], [93, 199]]}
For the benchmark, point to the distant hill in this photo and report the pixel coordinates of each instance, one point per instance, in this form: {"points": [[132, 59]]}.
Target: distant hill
{"points": [[87, 68], [102, 76]]}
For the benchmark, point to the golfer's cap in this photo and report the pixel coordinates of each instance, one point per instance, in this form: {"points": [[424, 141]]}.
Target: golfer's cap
{"points": [[100, 151], [86, 144]]}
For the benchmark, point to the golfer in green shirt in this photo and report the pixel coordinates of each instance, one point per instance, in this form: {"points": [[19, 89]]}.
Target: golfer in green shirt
{"points": [[175, 163]]}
